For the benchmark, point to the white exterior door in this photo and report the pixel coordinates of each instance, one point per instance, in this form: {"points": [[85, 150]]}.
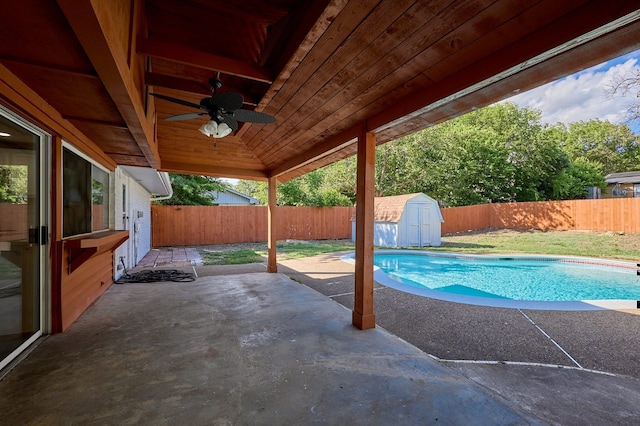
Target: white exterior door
{"points": [[425, 228], [418, 225], [413, 225]]}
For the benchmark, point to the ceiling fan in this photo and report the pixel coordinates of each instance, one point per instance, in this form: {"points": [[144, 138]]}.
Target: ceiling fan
{"points": [[224, 109]]}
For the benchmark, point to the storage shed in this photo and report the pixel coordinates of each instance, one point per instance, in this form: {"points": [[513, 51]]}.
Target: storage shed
{"points": [[410, 220]]}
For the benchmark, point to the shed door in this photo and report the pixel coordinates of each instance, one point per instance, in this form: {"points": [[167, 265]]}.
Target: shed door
{"points": [[418, 224], [425, 229], [413, 225]]}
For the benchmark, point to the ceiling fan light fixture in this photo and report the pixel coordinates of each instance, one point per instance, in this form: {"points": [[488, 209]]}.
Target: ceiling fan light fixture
{"points": [[222, 131], [209, 128]]}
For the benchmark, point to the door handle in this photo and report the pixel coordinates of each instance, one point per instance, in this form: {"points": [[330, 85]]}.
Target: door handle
{"points": [[39, 235]]}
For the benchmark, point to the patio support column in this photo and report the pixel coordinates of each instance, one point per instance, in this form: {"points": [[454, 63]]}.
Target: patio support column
{"points": [[272, 265], [363, 316]]}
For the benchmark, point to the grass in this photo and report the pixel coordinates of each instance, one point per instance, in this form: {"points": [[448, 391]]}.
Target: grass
{"points": [[235, 254], [605, 245], [231, 257]]}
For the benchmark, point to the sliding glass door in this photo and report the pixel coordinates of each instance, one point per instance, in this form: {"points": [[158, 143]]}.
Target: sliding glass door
{"points": [[23, 234]]}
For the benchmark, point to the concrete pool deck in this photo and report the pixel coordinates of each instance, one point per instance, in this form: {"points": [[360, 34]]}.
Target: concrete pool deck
{"points": [[603, 340], [241, 346]]}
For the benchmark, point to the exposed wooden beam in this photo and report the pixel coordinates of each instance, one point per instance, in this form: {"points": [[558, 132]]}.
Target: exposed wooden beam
{"points": [[118, 124], [615, 44], [186, 55], [326, 148], [214, 171], [22, 98], [185, 85], [46, 67], [363, 316], [306, 44], [169, 82], [287, 35], [98, 30], [557, 38]]}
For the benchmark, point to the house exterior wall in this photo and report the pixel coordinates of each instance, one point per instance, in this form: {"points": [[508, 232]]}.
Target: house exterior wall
{"points": [[627, 191], [136, 219], [229, 198]]}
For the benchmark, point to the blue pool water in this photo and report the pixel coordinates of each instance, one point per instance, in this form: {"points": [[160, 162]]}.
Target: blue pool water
{"points": [[512, 278]]}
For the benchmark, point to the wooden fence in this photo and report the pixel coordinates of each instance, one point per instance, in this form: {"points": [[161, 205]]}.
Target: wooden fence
{"points": [[195, 225], [13, 221], [200, 225], [618, 215]]}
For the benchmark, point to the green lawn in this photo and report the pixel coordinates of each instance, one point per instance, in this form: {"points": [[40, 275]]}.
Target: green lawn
{"points": [[606, 245], [235, 254]]}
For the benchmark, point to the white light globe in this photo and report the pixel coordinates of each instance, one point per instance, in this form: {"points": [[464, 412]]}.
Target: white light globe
{"points": [[209, 128], [222, 130]]}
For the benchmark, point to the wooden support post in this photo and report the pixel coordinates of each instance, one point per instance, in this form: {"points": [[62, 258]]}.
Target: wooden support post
{"points": [[363, 316], [272, 265]]}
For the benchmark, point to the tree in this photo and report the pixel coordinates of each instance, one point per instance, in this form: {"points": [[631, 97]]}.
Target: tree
{"points": [[501, 153], [308, 190], [574, 181], [614, 146], [498, 154], [628, 85], [340, 177], [254, 188], [191, 190], [13, 184]]}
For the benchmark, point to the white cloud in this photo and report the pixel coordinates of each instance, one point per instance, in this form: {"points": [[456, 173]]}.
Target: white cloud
{"points": [[583, 96]]}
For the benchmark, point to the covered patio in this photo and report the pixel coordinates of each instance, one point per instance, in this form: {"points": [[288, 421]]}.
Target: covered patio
{"points": [[97, 85], [260, 348]]}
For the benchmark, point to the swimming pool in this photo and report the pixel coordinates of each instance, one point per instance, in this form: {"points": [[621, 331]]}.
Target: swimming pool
{"points": [[514, 281]]}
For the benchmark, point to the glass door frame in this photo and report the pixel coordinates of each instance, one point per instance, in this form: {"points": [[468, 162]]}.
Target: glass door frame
{"points": [[44, 165]]}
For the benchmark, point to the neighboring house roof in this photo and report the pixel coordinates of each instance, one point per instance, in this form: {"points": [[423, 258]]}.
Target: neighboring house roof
{"points": [[623, 177], [390, 209], [231, 196]]}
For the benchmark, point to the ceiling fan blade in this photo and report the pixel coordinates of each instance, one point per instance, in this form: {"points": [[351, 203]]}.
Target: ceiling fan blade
{"points": [[177, 101], [229, 101], [188, 116], [249, 116], [231, 122]]}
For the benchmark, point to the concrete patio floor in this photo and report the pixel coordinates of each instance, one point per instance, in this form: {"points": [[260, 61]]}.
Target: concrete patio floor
{"points": [[240, 346], [238, 349]]}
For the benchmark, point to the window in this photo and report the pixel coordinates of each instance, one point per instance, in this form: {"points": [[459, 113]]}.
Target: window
{"points": [[85, 192]]}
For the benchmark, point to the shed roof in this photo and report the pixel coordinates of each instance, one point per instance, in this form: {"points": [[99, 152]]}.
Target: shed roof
{"points": [[390, 209], [623, 177]]}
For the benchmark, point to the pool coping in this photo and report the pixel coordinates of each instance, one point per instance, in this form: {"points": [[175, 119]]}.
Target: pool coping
{"points": [[580, 305]]}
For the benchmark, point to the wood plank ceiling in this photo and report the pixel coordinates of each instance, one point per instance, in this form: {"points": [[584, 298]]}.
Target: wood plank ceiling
{"points": [[323, 69]]}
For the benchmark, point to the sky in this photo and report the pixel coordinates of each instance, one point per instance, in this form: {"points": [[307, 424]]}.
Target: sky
{"points": [[583, 96]]}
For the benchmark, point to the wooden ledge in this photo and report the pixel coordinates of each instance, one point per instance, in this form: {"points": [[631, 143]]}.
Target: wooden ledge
{"points": [[83, 248], [97, 240]]}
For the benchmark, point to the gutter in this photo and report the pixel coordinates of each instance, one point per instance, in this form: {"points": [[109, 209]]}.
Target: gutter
{"points": [[166, 182]]}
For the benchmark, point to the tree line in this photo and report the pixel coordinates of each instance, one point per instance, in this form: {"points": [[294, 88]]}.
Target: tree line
{"points": [[500, 153]]}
